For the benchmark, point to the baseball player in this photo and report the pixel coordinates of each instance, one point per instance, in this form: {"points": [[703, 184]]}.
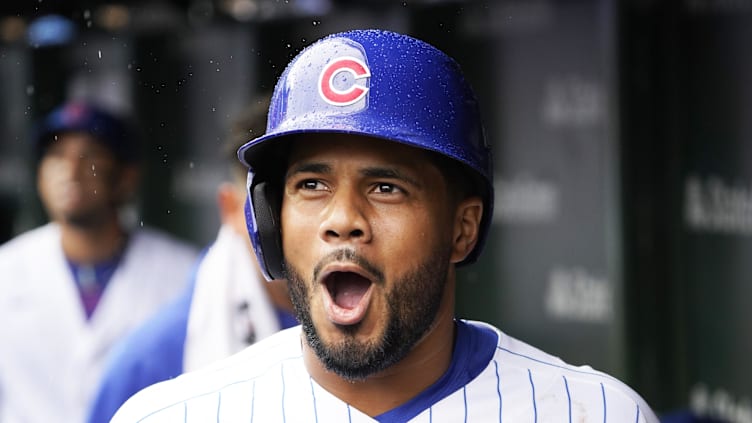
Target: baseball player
{"points": [[71, 288], [370, 186]]}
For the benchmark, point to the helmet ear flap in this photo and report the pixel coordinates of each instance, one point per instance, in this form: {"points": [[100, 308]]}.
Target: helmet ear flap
{"points": [[267, 242]]}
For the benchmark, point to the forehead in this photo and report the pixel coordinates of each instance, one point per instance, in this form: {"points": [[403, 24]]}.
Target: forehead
{"points": [[76, 143], [76, 139], [323, 146]]}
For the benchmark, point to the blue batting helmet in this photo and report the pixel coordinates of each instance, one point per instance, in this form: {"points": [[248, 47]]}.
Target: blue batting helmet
{"points": [[374, 83]]}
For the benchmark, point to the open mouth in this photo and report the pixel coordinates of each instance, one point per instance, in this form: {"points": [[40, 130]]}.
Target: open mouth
{"points": [[348, 296], [347, 288]]}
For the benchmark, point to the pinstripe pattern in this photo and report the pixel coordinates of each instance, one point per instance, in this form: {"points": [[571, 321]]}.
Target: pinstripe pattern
{"points": [[253, 399], [219, 406], [313, 397], [569, 399], [282, 378], [498, 386], [531, 385], [464, 400], [532, 389]]}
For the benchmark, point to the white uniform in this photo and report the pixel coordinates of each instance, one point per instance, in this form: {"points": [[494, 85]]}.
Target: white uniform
{"points": [[493, 378], [229, 303], [51, 356]]}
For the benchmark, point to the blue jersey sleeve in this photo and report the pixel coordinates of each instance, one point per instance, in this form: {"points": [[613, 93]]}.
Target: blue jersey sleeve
{"points": [[150, 354]]}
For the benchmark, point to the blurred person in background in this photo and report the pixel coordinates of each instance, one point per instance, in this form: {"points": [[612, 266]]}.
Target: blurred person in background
{"points": [[227, 306], [74, 286]]}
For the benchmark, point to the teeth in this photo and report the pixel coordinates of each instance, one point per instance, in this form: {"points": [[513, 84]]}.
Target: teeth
{"points": [[347, 297]]}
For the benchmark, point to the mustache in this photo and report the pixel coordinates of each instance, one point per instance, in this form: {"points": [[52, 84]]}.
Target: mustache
{"points": [[351, 256]]}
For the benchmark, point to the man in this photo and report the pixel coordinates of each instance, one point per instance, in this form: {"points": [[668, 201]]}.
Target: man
{"points": [[372, 183], [71, 288], [227, 306]]}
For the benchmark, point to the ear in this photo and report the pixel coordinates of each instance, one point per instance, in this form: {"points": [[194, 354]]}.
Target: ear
{"points": [[466, 225]]}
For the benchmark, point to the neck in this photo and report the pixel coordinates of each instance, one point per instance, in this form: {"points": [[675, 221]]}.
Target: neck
{"points": [[423, 366], [94, 243]]}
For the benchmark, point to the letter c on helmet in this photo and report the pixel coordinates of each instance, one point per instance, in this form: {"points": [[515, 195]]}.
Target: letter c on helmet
{"points": [[348, 96]]}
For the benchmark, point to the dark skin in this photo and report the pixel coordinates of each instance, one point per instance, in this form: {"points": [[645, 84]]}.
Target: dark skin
{"points": [[81, 186], [388, 205]]}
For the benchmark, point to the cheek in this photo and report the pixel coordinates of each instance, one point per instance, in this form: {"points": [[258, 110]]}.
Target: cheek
{"points": [[104, 176], [406, 237], [42, 181], [47, 175], [46, 193], [53, 188], [298, 232]]}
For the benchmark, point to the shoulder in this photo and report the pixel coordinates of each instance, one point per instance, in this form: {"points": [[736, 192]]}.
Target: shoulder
{"points": [[153, 351], [164, 331], [155, 239], [27, 241], [161, 252], [150, 354], [522, 367], [235, 371], [29, 253]]}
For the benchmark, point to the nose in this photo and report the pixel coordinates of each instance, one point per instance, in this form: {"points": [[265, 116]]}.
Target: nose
{"points": [[76, 165], [345, 218]]}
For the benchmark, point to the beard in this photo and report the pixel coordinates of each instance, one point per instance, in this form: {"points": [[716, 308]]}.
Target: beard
{"points": [[412, 306], [97, 205]]}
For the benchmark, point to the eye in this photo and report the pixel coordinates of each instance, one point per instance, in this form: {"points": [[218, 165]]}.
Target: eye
{"points": [[54, 150], [95, 156], [386, 188], [311, 184]]}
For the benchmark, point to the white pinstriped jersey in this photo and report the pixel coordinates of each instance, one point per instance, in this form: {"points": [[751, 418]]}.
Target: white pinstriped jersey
{"points": [[492, 378]]}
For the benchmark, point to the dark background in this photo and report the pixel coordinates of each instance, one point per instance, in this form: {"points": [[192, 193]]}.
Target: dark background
{"points": [[622, 232]]}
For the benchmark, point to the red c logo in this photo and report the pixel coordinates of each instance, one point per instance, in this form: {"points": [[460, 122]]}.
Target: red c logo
{"points": [[336, 97]]}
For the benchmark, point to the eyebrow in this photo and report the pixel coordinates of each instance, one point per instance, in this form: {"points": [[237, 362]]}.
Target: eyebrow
{"points": [[370, 172], [388, 173], [308, 168]]}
